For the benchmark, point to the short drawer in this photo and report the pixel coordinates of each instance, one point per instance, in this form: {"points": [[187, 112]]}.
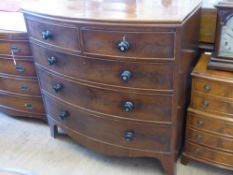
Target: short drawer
{"points": [[18, 48], [58, 34], [147, 137], [211, 104], [210, 124], [155, 77], [210, 87], [22, 104], [210, 140], [20, 86], [106, 101], [112, 43], [218, 157], [24, 67]]}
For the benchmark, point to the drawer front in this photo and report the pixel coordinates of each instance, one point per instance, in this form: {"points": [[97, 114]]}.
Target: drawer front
{"points": [[220, 89], [110, 102], [210, 140], [209, 124], [57, 34], [23, 68], [123, 74], [20, 86], [128, 134], [19, 48], [25, 104], [128, 44], [209, 155], [211, 104]]}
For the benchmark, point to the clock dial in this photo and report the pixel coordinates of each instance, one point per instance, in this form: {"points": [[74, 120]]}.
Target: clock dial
{"points": [[226, 39]]}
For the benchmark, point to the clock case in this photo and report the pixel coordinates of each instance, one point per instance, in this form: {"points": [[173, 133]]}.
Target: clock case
{"points": [[224, 12]]}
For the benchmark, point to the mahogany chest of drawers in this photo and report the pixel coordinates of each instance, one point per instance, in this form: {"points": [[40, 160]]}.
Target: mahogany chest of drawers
{"points": [[19, 89], [114, 81], [209, 130]]}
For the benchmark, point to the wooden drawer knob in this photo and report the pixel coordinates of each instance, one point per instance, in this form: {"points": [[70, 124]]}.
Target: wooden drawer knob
{"points": [[63, 115], [28, 106], [46, 35], [207, 88], [126, 75], [24, 88], [128, 106], [198, 137], [129, 135], [52, 60], [58, 87], [123, 45], [200, 123]]}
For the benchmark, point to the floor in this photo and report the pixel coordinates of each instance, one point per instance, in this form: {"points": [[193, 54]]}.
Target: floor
{"points": [[26, 145]]}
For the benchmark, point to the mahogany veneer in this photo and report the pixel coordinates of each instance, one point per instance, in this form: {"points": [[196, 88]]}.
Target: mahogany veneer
{"points": [[116, 79]]}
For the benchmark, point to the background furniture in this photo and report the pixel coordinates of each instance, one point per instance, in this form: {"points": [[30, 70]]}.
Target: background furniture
{"points": [[19, 90], [209, 130], [115, 79]]}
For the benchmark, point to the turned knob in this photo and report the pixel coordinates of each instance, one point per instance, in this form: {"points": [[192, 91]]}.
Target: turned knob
{"points": [[128, 106], [64, 114], [129, 135], [207, 87], [205, 103], [126, 75], [123, 45], [57, 87], [52, 60], [46, 35], [198, 137], [200, 123]]}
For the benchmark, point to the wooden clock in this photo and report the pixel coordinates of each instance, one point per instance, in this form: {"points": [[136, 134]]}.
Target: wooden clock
{"points": [[222, 57]]}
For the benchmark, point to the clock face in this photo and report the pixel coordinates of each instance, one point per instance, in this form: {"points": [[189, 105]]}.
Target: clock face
{"points": [[226, 40]]}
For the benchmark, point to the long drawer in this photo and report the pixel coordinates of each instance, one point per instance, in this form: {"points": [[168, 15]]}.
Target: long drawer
{"points": [[210, 140], [146, 137], [209, 124], [21, 86], [211, 87], [210, 155], [22, 104], [213, 105], [24, 67], [110, 102], [154, 77]]}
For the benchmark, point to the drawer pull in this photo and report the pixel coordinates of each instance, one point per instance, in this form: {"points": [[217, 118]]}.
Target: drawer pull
{"points": [[129, 135], [52, 60], [197, 150], [207, 88], [200, 123], [58, 87], [126, 75], [205, 103], [20, 68], [123, 46], [15, 49], [198, 137], [24, 88], [46, 35], [128, 106], [28, 106], [64, 114]]}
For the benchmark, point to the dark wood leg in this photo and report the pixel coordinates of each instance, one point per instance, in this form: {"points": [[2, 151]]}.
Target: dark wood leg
{"points": [[169, 165], [184, 160], [53, 128]]}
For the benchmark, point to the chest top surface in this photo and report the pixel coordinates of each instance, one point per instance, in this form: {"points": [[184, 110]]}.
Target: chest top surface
{"points": [[174, 11], [202, 70]]}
